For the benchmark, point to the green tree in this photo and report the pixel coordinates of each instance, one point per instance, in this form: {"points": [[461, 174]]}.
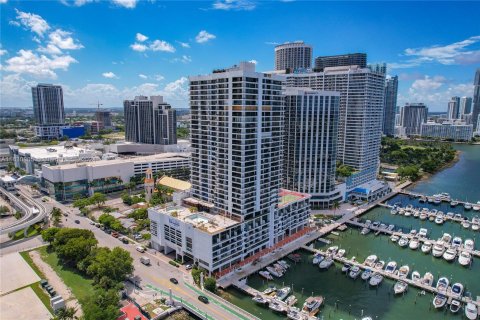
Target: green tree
{"points": [[56, 214], [98, 199], [180, 315], [102, 304], [335, 206], [210, 284], [410, 172], [48, 235], [110, 267], [73, 245], [139, 214], [67, 313], [82, 203], [110, 222]]}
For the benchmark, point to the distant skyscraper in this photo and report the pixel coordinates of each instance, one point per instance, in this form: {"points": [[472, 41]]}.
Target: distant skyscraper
{"points": [[310, 148], [150, 121], [413, 115], [378, 67], [293, 55], [104, 118], [351, 59], [48, 106], [389, 112], [465, 106], [360, 117], [476, 99], [453, 108]]}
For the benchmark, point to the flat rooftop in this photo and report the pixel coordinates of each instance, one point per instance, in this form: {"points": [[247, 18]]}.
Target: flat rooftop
{"points": [[287, 197], [55, 152], [207, 222]]}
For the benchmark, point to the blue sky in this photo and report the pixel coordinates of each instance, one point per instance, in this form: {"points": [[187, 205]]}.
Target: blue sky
{"points": [[115, 49]]}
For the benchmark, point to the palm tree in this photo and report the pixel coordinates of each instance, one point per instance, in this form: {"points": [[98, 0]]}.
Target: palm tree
{"points": [[56, 215], [335, 206], [65, 314]]}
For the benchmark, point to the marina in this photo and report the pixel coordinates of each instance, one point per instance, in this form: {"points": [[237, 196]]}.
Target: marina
{"points": [[349, 293]]}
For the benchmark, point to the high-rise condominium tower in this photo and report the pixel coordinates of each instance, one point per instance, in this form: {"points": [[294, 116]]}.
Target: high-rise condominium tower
{"points": [[48, 104], [310, 148], [413, 115], [389, 112], [341, 60], [453, 111], [104, 118], [293, 55], [476, 99], [360, 116], [150, 121], [465, 106]]}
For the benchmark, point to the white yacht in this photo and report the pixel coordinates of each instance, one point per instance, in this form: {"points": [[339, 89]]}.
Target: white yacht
{"points": [[450, 254], [317, 258], [391, 267], [438, 249], [471, 311], [457, 289], [391, 227], [414, 243], [266, 275], [260, 299], [457, 216], [365, 231], [453, 203], [437, 200], [326, 263], [426, 247], [439, 301], [455, 306], [312, 304], [284, 264], [380, 264], [439, 220], [464, 258], [394, 211], [346, 267], [291, 300], [423, 216], [466, 224], [416, 276], [403, 271], [282, 293], [277, 306], [442, 284], [403, 242], [400, 287], [295, 314], [394, 238], [371, 260], [423, 232], [446, 238], [456, 242], [469, 244], [375, 279], [340, 253], [274, 272], [427, 279], [270, 290], [366, 274], [354, 272], [476, 206], [467, 206], [332, 250]]}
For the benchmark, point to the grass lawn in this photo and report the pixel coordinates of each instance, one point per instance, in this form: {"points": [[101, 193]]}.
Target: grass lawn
{"points": [[32, 265], [81, 287], [411, 146], [32, 231]]}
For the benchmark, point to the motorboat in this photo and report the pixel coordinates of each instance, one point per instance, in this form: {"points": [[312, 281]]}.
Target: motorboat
{"points": [[438, 249], [332, 250], [394, 238], [260, 299], [467, 206], [475, 226], [426, 247], [437, 200], [464, 258], [430, 199], [431, 218], [439, 301], [274, 272], [476, 206], [391, 227], [365, 231], [450, 254], [354, 272], [371, 260], [422, 232], [368, 223], [422, 199], [466, 224], [279, 267], [434, 212], [471, 311], [457, 216], [376, 224], [391, 267], [383, 226], [317, 258], [375, 279], [326, 263], [427, 279], [413, 232], [291, 300], [423, 216], [409, 207], [284, 264], [414, 243], [453, 203], [403, 271], [439, 220], [446, 238], [380, 264], [416, 214], [456, 242], [455, 306], [457, 289], [295, 314], [416, 276], [346, 267], [469, 244], [403, 242], [450, 215], [282, 293], [394, 211], [270, 290], [366, 274], [266, 275], [408, 213], [340, 253], [400, 287], [312, 304], [277, 306], [442, 284]]}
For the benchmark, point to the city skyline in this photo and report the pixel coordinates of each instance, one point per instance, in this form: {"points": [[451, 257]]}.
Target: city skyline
{"points": [[66, 43]]}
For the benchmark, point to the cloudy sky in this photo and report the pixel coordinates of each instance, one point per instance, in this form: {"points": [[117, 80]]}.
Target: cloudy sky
{"points": [[115, 49]]}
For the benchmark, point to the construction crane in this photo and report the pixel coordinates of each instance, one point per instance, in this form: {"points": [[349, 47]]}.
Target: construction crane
{"points": [[98, 104]]}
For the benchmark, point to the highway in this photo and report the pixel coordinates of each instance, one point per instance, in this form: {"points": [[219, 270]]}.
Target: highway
{"points": [[154, 279]]}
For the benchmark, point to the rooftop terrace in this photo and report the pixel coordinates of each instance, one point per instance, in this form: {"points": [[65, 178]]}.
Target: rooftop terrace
{"points": [[287, 197]]}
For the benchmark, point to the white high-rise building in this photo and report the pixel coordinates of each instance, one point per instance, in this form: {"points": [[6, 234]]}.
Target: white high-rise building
{"points": [[413, 115], [293, 55], [465, 105], [237, 132], [360, 116], [310, 148], [453, 111], [449, 130]]}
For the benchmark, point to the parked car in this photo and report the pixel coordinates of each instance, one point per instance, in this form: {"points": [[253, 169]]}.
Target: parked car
{"points": [[115, 234], [173, 280], [137, 237], [125, 240], [145, 260], [140, 249], [77, 221], [188, 266], [203, 299]]}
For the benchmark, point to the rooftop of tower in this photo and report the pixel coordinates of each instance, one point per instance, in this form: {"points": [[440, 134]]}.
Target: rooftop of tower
{"points": [[286, 197]]}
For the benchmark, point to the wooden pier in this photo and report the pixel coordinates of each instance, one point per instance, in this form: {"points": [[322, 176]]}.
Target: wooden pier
{"points": [[395, 277]]}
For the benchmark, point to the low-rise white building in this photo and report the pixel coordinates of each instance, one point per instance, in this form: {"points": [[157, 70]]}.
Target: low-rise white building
{"points": [[449, 130], [82, 179], [215, 241]]}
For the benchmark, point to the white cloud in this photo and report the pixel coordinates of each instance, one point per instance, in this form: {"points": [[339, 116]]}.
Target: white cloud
{"points": [[16, 91], [109, 75], [183, 44], [63, 40], [138, 47], [158, 77], [129, 4], [3, 1], [49, 49], [143, 76], [454, 53], [177, 90], [183, 59], [272, 43], [28, 62], [31, 21], [203, 36], [140, 37], [234, 5], [254, 61], [2, 51], [160, 45]]}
